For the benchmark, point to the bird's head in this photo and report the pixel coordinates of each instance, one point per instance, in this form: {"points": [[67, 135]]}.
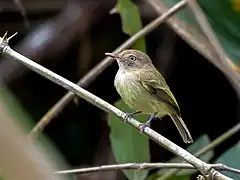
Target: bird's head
{"points": [[131, 59]]}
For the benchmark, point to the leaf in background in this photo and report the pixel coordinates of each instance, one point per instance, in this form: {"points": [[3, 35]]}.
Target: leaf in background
{"points": [[224, 18], [231, 158], [131, 21], [201, 142], [175, 177], [14, 108], [128, 144], [179, 177]]}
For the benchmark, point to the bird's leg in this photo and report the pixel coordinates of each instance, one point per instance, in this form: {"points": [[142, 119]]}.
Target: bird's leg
{"points": [[129, 115], [147, 124]]}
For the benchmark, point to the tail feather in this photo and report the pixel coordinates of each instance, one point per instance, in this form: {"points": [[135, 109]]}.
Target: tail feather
{"points": [[182, 128]]}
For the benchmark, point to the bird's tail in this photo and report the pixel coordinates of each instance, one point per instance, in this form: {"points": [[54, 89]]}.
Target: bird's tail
{"points": [[182, 128]]}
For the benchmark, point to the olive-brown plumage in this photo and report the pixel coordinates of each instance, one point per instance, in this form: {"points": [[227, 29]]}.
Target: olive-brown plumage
{"points": [[143, 88]]}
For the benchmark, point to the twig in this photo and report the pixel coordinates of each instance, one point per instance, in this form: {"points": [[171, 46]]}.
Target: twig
{"points": [[143, 166], [23, 12], [127, 166], [207, 148], [204, 168], [206, 28], [219, 140], [98, 69]]}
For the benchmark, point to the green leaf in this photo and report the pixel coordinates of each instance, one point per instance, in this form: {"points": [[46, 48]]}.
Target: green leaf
{"points": [[224, 18], [128, 144], [156, 176], [131, 21], [201, 142], [231, 158], [179, 177], [14, 108]]}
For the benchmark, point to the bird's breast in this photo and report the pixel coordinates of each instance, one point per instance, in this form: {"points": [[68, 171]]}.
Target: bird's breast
{"points": [[134, 94]]}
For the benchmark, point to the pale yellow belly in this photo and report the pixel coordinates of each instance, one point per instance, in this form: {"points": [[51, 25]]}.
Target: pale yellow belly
{"points": [[138, 98]]}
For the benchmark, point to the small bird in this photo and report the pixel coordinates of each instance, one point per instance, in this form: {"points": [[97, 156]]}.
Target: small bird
{"points": [[144, 89]]}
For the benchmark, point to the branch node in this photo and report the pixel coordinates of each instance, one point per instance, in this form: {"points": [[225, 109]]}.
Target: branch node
{"points": [[4, 41]]}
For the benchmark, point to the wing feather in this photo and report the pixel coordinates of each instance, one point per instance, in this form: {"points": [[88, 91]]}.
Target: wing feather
{"points": [[158, 86]]}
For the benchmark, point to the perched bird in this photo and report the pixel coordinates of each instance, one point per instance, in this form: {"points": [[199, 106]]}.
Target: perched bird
{"points": [[144, 89]]}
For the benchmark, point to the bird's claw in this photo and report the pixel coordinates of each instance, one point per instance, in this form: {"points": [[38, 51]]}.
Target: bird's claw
{"points": [[130, 115], [127, 117], [143, 126], [147, 124]]}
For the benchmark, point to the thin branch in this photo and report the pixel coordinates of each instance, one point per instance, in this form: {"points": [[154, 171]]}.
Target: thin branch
{"points": [[207, 148], [143, 166], [206, 28], [193, 38], [204, 168], [23, 12], [219, 140], [127, 166], [98, 69], [198, 42]]}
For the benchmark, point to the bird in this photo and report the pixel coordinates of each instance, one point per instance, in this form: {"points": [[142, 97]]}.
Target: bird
{"points": [[143, 88]]}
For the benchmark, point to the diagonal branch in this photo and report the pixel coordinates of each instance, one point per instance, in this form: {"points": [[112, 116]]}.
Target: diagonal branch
{"points": [[98, 69], [200, 43], [206, 28], [204, 168], [143, 166], [207, 148]]}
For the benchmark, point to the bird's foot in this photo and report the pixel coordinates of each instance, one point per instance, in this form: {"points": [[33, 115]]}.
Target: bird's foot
{"points": [[130, 115], [147, 124], [143, 126]]}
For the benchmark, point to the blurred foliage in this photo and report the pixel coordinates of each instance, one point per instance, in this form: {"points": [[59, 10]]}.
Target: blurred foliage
{"points": [[127, 143], [14, 108], [231, 158], [131, 21], [224, 17], [179, 177]]}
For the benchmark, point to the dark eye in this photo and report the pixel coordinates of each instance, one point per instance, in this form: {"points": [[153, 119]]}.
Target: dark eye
{"points": [[132, 58]]}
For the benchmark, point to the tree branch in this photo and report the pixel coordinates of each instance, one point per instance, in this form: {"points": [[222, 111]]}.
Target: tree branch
{"points": [[200, 43], [98, 69], [207, 148], [143, 166], [206, 28], [204, 168]]}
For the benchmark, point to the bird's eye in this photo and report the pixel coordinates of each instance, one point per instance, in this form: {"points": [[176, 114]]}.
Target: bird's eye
{"points": [[132, 58]]}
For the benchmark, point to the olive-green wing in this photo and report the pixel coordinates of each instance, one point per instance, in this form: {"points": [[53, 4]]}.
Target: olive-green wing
{"points": [[161, 90]]}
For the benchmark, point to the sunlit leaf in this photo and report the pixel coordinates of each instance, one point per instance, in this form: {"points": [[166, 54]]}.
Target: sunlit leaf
{"points": [[128, 144]]}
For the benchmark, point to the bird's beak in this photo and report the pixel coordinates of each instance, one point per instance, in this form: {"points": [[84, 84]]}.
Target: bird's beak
{"points": [[112, 55]]}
